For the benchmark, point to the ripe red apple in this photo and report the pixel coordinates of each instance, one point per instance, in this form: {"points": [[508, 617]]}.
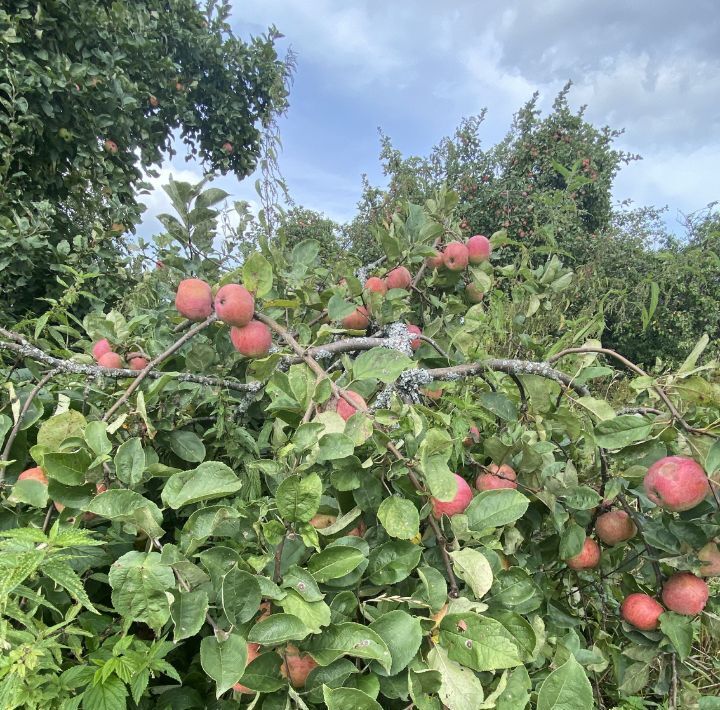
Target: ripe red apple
{"points": [[252, 340], [458, 504], [473, 293], [676, 483], [399, 278], [357, 320], [234, 305], [479, 249], [110, 360], [709, 555], [253, 651], [415, 343], [322, 521], [587, 558], [497, 477], [684, 593], [433, 394], [227, 147], [473, 437], [110, 146], [641, 611], [435, 262], [358, 531], [36, 474], [377, 285], [100, 348], [345, 409], [615, 526], [296, 666], [194, 299], [138, 363], [455, 256]]}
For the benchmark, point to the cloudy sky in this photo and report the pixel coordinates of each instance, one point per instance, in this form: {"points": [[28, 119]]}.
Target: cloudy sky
{"points": [[416, 67]]}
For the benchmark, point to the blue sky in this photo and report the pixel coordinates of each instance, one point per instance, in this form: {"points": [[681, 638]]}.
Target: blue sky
{"points": [[416, 67]]}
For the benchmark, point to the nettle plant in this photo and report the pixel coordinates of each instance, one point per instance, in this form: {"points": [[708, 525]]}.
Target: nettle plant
{"points": [[309, 486]]}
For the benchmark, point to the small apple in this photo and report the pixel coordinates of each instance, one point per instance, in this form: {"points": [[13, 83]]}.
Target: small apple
{"points": [[253, 651], [473, 293], [227, 148], [641, 611], [615, 526], [399, 278], [415, 343], [377, 285], [252, 340], [684, 593], [296, 666], [472, 438], [35, 474], [709, 555], [111, 361], [138, 363], [479, 249], [458, 504], [587, 558], [234, 305], [193, 299], [153, 101], [110, 146], [345, 409], [322, 521], [435, 262], [455, 256], [497, 477], [357, 320], [433, 394], [100, 348], [676, 483]]}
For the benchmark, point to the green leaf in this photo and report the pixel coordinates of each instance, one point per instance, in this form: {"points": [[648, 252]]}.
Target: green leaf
{"points": [[349, 639], [712, 462], [601, 408], [128, 507], [314, 615], [55, 430], [62, 574], [258, 275], [571, 541], [399, 517], [679, 630], [97, 438], [479, 642], [338, 308], [306, 252], [303, 583], [139, 581], [493, 509], [68, 467], [188, 446], [241, 596], [335, 446], [473, 568], [263, 674], [402, 635], [348, 699], [277, 629], [334, 562], [566, 688], [130, 461], [298, 499], [622, 431], [435, 451], [188, 613], [461, 689], [381, 364], [393, 561], [499, 404], [209, 480], [515, 695], [110, 694], [223, 661], [31, 492]]}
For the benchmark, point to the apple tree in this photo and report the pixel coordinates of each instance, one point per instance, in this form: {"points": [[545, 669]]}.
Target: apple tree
{"points": [[290, 483]]}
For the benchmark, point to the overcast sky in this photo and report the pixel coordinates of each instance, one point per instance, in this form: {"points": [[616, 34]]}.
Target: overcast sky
{"points": [[416, 67]]}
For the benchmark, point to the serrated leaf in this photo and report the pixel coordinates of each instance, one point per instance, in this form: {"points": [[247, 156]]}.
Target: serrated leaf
{"points": [[349, 639], [63, 575], [622, 431], [460, 689], [495, 508], [277, 629]]}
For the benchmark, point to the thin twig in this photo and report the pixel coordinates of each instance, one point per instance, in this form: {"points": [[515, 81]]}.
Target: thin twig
{"points": [[277, 577], [430, 341], [652, 553]]}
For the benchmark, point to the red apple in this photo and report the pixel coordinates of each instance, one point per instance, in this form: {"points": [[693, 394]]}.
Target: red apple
{"points": [[357, 320], [676, 483], [252, 340], [296, 666], [458, 504], [345, 409], [415, 343], [100, 348], [194, 299], [399, 278], [435, 262], [110, 360], [455, 256], [36, 474], [479, 249], [433, 394], [473, 437], [234, 305], [110, 146], [474, 293], [253, 651], [709, 555], [641, 611], [377, 285], [322, 521], [587, 558], [227, 147], [615, 526], [138, 363], [684, 593], [497, 477]]}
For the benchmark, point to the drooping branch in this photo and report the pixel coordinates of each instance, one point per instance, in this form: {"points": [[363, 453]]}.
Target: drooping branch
{"points": [[26, 350]]}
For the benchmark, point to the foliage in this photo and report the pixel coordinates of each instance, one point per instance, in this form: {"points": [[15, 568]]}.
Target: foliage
{"points": [[95, 93], [206, 541]]}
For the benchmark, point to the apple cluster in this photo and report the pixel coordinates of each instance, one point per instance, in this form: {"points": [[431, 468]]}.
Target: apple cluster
{"points": [[105, 356]]}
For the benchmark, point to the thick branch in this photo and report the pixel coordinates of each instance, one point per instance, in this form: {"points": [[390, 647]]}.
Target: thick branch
{"points": [[156, 361]]}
